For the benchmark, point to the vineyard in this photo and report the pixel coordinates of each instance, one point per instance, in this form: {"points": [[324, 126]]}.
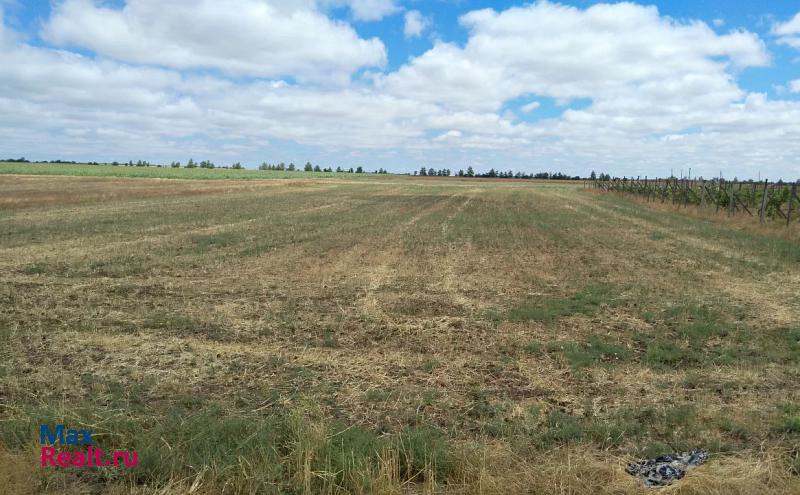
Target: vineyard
{"points": [[765, 200]]}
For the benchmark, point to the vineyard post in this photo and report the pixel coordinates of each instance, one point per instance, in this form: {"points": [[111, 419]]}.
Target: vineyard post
{"points": [[792, 197], [702, 193], [719, 196], [763, 211], [731, 201], [685, 191]]}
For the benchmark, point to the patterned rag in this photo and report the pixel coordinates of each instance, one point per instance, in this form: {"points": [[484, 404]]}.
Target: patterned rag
{"points": [[665, 469]]}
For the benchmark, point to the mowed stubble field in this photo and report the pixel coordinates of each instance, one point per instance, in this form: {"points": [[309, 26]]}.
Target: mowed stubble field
{"points": [[390, 335]]}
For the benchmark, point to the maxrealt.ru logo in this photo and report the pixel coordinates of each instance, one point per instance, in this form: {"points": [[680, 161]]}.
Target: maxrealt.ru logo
{"points": [[76, 438]]}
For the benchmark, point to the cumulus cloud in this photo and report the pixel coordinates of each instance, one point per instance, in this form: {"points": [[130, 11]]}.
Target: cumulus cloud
{"points": [[249, 37], [565, 53], [372, 10], [660, 91], [415, 24], [788, 32], [530, 107]]}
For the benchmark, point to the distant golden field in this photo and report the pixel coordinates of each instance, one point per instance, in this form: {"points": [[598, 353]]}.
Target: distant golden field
{"points": [[391, 335]]}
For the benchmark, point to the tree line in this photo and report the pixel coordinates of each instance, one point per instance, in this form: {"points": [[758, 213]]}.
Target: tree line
{"points": [[492, 173], [309, 167]]}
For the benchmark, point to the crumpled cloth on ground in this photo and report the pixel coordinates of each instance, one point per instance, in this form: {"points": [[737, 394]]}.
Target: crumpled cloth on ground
{"points": [[665, 469]]}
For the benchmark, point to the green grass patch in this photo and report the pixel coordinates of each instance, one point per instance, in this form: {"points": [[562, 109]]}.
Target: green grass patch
{"points": [[184, 325], [597, 350], [245, 453], [107, 170], [550, 309], [34, 269]]}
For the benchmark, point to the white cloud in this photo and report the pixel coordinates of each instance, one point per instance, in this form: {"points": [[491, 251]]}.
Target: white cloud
{"points": [[565, 53], [661, 92], [718, 22], [372, 10], [794, 86], [415, 24], [250, 37], [788, 32], [530, 107]]}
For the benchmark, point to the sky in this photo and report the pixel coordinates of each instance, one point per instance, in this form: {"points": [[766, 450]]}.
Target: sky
{"points": [[624, 88]]}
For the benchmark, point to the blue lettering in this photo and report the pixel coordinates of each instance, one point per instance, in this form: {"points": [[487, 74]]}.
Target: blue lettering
{"points": [[45, 433]]}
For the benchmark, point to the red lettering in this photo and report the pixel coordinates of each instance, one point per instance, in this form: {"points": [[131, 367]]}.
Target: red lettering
{"points": [[47, 455], [63, 459], [78, 458], [135, 459]]}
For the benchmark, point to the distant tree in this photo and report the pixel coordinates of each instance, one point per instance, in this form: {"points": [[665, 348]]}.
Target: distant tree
{"points": [[175, 164], [415, 172], [460, 173], [338, 169], [492, 173], [290, 167], [190, 164], [359, 170], [593, 176], [317, 169], [431, 171], [308, 167], [470, 172], [423, 172], [237, 166]]}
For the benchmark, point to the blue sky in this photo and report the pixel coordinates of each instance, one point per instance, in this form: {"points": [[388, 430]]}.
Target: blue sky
{"points": [[629, 88]]}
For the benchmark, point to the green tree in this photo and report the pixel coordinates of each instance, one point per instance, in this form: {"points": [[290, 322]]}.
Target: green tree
{"points": [[470, 172], [423, 172]]}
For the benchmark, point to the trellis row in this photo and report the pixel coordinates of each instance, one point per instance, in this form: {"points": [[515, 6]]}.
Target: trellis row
{"points": [[775, 200]]}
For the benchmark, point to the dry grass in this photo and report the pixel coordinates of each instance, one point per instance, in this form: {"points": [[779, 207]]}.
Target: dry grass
{"points": [[547, 335]]}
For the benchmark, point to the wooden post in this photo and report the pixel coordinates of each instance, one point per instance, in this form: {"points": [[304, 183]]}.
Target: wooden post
{"points": [[685, 192], [731, 201], [792, 197], [719, 199], [762, 213], [703, 193]]}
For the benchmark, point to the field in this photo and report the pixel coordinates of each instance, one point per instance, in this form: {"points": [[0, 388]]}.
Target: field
{"points": [[82, 169], [391, 335]]}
